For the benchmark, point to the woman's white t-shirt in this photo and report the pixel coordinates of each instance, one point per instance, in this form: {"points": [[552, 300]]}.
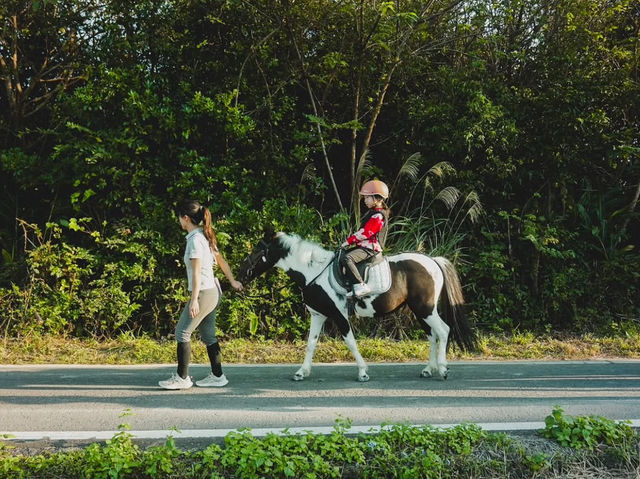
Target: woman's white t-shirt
{"points": [[198, 247]]}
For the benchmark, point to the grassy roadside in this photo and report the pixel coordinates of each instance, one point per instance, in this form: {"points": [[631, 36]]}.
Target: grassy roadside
{"points": [[569, 448], [128, 349]]}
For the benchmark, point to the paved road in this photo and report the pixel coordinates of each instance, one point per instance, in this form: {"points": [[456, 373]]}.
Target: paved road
{"points": [[51, 398]]}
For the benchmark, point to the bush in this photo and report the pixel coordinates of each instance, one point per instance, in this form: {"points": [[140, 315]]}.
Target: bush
{"points": [[587, 431], [394, 451], [92, 289], [88, 279], [84, 279]]}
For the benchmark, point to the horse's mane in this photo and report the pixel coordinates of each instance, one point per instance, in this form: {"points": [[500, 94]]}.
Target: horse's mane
{"points": [[306, 251]]}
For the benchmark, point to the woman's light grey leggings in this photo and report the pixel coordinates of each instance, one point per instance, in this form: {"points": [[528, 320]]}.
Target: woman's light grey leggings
{"points": [[205, 321]]}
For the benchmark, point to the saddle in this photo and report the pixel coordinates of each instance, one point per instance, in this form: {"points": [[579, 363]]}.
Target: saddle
{"points": [[375, 271]]}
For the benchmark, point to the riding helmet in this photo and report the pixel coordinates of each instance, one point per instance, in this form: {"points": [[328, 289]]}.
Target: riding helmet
{"points": [[375, 187]]}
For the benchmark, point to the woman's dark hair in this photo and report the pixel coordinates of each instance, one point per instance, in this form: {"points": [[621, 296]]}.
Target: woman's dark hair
{"points": [[199, 214]]}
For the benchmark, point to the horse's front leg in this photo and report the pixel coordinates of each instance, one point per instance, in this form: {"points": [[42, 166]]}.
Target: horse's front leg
{"points": [[353, 347], [347, 334], [317, 321]]}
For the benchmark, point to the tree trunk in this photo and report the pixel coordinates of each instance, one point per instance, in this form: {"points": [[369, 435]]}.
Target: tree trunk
{"points": [[353, 183], [318, 127], [632, 207], [355, 200]]}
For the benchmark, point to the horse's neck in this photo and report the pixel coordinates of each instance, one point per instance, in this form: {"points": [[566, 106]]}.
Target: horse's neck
{"points": [[315, 260], [308, 259]]}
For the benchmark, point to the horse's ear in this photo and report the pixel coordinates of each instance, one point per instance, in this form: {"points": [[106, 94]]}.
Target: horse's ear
{"points": [[269, 233]]}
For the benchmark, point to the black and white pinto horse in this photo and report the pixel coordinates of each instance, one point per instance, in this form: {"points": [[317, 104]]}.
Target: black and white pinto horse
{"points": [[416, 280]]}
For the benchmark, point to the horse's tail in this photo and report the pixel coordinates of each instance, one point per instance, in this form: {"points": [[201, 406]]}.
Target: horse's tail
{"points": [[453, 307]]}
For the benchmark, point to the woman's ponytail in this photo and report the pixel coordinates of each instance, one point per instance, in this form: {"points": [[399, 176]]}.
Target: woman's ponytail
{"points": [[199, 214], [207, 229]]}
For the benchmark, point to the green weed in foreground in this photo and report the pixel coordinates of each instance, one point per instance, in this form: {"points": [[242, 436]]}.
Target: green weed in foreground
{"points": [[588, 432], [394, 451], [616, 439]]}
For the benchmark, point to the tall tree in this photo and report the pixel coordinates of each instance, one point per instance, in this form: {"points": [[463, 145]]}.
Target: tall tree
{"points": [[40, 55]]}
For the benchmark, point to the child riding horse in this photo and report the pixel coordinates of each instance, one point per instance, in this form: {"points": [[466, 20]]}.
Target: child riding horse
{"points": [[369, 240]]}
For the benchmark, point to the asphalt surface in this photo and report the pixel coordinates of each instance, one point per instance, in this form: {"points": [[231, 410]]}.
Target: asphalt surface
{"points": [[39, 401]]}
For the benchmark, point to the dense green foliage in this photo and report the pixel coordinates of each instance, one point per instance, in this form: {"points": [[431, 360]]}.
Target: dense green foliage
{"points": [[587, 431], [393, 451], [520, 115]]}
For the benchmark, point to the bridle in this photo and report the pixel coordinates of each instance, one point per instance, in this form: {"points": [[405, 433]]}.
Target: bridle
{"points": [[254, 259], [259, 256]]}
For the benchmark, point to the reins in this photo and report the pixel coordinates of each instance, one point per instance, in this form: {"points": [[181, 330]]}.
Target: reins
{"points": [[323, 270]]}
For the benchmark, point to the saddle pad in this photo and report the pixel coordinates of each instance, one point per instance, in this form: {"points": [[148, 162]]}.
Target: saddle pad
{"points": [[378, 278]]}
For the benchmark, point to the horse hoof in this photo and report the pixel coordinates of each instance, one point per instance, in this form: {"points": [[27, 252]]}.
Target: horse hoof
{"points": [[425, 374], [364, 378], [298, 377]]}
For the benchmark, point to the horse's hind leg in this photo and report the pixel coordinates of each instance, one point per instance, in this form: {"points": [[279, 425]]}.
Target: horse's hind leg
{"points": [[432, 366], [317, 321], [438, 346]]}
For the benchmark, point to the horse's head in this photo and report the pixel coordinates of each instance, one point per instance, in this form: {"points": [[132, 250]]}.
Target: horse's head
{"points": [[267, 253]]}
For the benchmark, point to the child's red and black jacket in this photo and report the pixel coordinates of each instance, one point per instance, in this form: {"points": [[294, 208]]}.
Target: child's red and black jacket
{"points": [[374, 224]]}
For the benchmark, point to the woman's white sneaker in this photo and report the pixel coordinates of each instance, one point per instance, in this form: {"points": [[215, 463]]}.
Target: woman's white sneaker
{"points": [[212, 381], [176, 382]]}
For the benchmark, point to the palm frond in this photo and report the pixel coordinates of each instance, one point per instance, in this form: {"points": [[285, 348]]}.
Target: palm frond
{"points": [[441, 169], [367, 171], [475, 209], [411, 167], [437, 171], [429, 235], [364, 164], [449, 196]]}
